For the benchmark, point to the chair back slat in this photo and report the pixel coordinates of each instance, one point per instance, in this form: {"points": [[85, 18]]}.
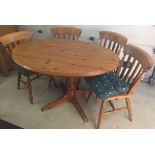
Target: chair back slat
{"points": [[120, 68], [125, 67], [126, 77], [141, 71], [114, 46], [109, 46], [19, 42], [10, 46], [69, 33], [8, 49], [105, 42], [74, 37], [117, 49], [10, 41], [133, 74], [135, 63], [113, 41]]}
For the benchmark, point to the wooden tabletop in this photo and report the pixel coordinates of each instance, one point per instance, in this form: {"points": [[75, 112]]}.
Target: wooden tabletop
{"points": [[65, 58]]}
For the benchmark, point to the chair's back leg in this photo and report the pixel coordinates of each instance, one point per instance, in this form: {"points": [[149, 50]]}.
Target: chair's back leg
{"points": [[19, 78], [29, 89], [128, 104]]}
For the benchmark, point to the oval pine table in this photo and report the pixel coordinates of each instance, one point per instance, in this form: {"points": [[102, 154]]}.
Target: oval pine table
{"points": [[70, 59]]}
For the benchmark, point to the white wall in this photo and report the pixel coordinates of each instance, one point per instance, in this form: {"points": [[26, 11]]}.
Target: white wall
{"points": [[140, 35], [143, 36]]}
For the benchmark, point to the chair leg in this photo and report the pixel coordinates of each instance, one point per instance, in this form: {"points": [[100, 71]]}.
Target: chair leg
{"points": [[88, 96], [101, 114], [49, 83], [78, 82], [111, 104], [29, 89], [96, 100], [19, 78], [54, 81], [37, 76], [128, 104]]}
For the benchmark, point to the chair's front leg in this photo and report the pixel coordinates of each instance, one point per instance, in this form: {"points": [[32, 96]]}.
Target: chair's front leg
{"points": [[19, 78]]}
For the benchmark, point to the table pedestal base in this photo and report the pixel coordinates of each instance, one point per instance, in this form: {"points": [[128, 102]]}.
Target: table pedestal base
{"points": [[70, 97]]}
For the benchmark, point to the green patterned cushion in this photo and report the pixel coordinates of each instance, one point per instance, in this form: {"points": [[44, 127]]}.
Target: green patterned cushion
{"points": [[101, 86], [107, 85], [22, 70], [120, 86]]}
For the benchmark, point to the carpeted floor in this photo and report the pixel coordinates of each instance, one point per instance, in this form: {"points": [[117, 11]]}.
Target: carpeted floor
{"points": [[15, 107]]}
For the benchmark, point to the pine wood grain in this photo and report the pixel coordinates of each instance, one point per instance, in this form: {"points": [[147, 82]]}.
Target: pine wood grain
{"points": [[65, 58]]}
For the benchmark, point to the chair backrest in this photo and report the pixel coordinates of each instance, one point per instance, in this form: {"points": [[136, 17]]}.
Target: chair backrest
{"points": [[135, 62], [6, 62], [6, 29], [113, 41], [70, 33], [13, 39]]}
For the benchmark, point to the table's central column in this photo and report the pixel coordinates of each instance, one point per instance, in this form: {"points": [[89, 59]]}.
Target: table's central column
{"points": [[70, 97], [70, 88]]}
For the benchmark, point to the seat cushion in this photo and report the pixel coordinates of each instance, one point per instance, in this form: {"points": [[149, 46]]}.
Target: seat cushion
{"points": [[22, 70], [101, 86], [120, 85], [107, 85]]}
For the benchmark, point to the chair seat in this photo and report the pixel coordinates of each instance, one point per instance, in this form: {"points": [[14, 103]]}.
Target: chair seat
{"points": [[107, 85], [22, 70], [120, 86]]}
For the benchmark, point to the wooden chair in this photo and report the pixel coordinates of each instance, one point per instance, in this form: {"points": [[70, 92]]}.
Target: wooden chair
{"points": [[6, 29], [124, 81], [70, 33], [6, 62], [113, 41], [10, 41]]}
